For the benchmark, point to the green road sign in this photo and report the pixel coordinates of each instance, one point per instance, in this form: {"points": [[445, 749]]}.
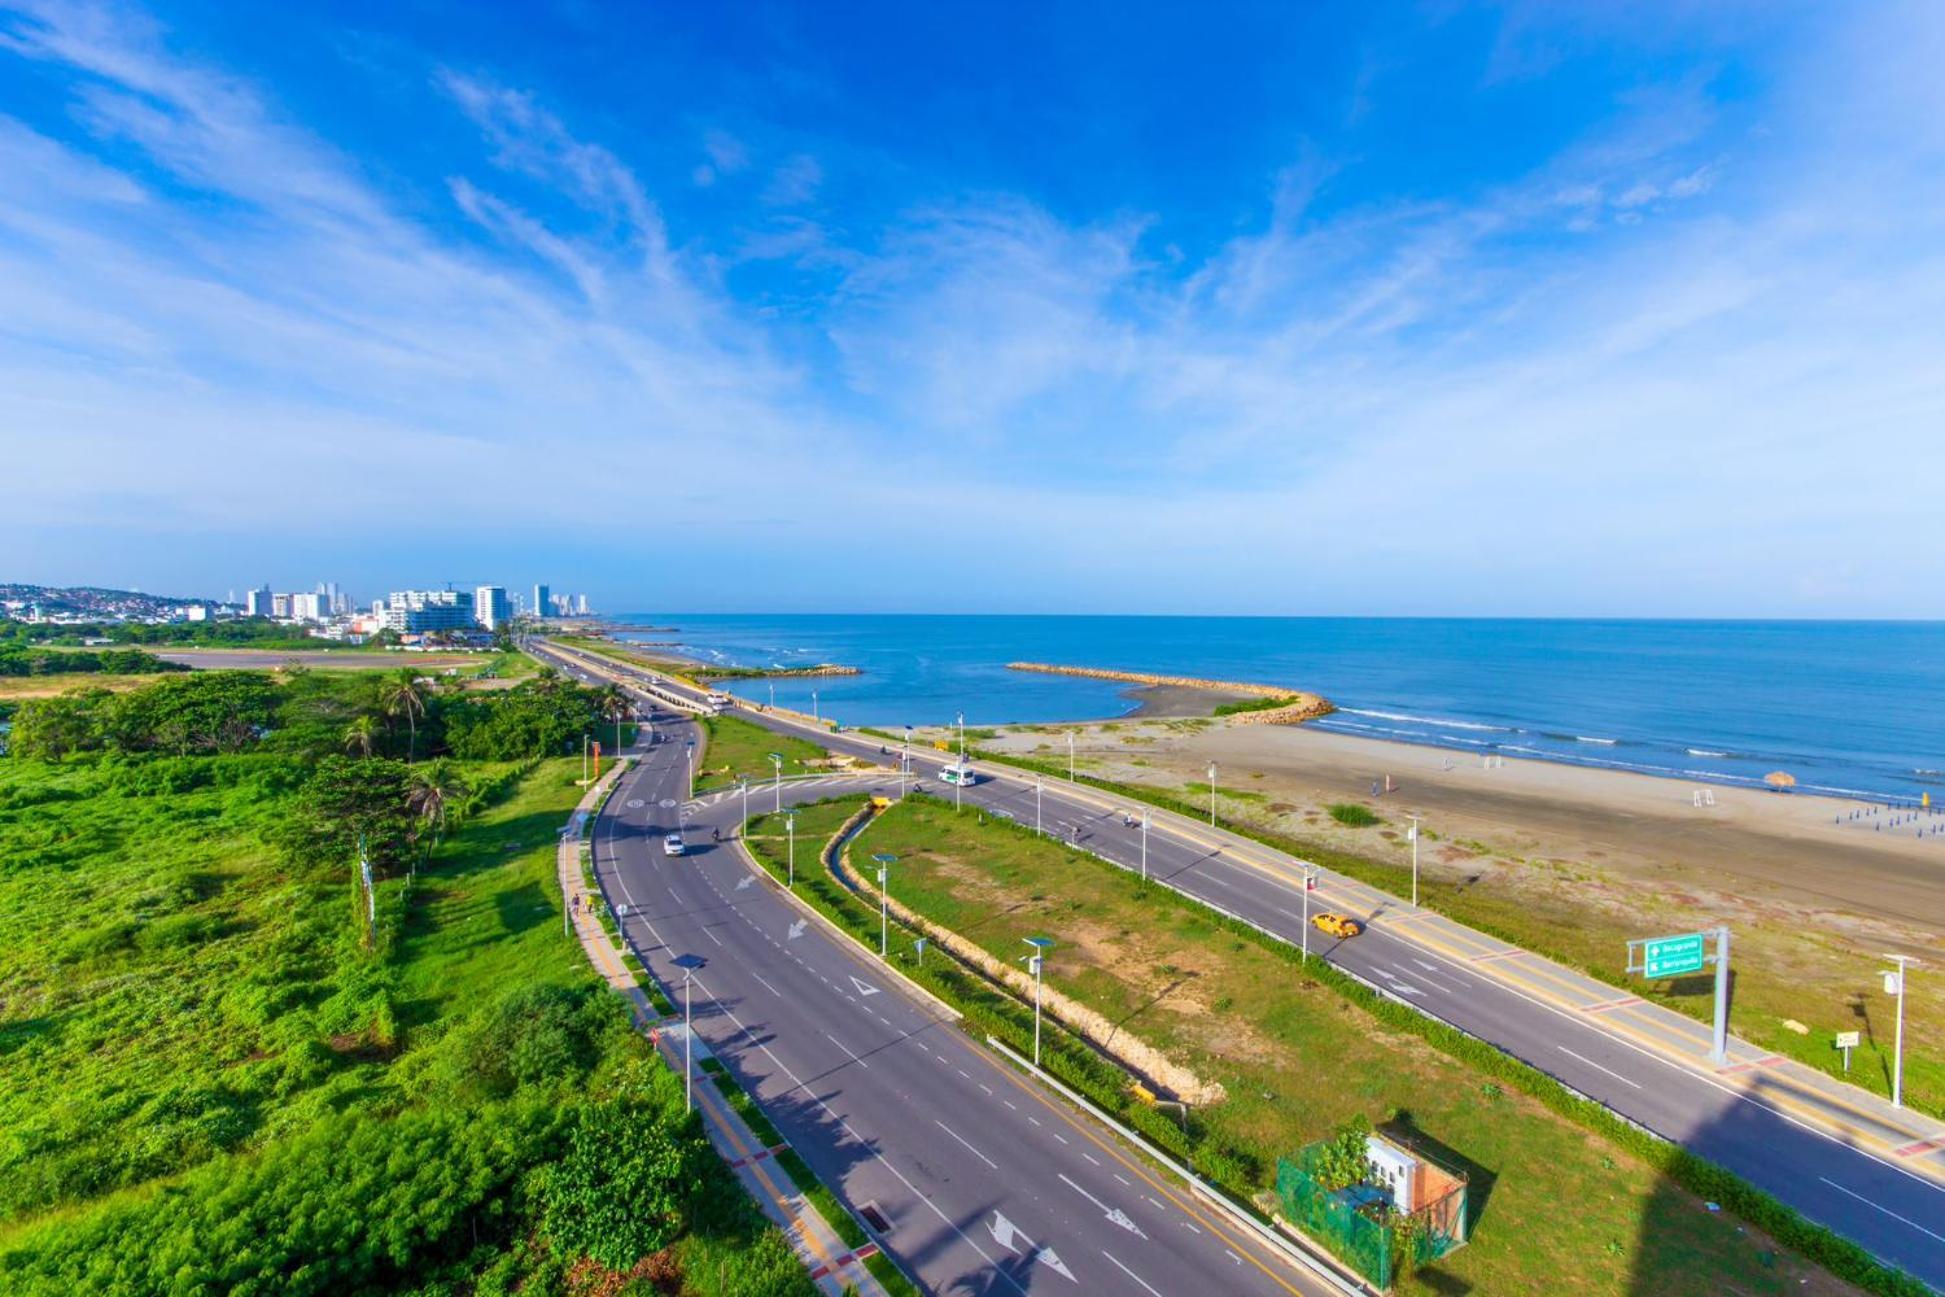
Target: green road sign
{"points": [[1672, 956]]}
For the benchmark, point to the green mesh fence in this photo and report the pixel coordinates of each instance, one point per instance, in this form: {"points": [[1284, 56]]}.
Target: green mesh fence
{"points": [[1331, 1219]]}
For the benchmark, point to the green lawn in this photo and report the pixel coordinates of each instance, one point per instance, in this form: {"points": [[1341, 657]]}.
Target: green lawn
{"points": [[207, 1078], [1562, 1212], [737, 747]]}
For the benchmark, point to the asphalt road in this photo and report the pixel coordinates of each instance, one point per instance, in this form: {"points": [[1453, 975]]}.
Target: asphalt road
{"points": [[1896, 1211], [986, 1183]]}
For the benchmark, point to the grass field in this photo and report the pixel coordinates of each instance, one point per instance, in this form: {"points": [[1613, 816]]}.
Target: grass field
{"points": [[1790, 971], [736, 747], [180, 1010], [1560, 1212]]}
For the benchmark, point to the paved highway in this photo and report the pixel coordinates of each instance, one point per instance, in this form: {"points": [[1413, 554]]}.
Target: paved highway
{"points": [[1838, 1156], [983, 1182]]}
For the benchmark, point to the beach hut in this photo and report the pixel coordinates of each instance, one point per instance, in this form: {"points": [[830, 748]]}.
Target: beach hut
{"points": [[1781, 780]]}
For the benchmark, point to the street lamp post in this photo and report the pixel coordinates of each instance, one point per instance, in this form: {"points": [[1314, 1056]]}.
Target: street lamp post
{"points": [[1309, 885], [1894, 985], [1070, 757], [743, 787], [790, 852], [1212, 794], [691, 746], [1144, 844], [776, 761], [1412, 833], [962, 738], [1036, 961], [813, 707], [905, 761], [885, 860], [1038, 780], [688, 964]]}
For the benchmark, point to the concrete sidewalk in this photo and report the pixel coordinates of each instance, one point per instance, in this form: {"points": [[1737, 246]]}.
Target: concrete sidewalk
{"points": [[831, 1263]]}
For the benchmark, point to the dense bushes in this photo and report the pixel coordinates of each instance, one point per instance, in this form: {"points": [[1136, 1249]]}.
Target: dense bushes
{"points": [[18, 661], [311, 714]]}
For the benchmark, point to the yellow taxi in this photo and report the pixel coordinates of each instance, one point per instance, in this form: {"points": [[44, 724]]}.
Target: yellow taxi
{"points": [[1338, 925]]}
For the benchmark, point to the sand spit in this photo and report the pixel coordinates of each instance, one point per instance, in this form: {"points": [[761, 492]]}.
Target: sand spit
{"points": [[1303, 706]]}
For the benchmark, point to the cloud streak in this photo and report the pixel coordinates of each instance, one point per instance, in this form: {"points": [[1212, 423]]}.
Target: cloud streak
{"points": [[1673, 369]]}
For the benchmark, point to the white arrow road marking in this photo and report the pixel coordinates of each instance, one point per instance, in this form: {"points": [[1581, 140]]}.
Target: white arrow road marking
{"points": [[797, 929], [864, 988], [1114, 1214], [745, 881], [1005, 1232], [1046, 1256]]}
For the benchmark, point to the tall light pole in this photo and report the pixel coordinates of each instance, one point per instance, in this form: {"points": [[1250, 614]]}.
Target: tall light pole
{"points": [[584, 759], [885, 860], [1038, 780], [962, 738], [1412, 833], [1036, 961], [1309, 885], [776, 761], [691, 746], [813, 707], [773, 695], [1070, 756], [688, 964], [1894, 985], [1144, 844], [1212, 794], [743, 786], [790, 827]]}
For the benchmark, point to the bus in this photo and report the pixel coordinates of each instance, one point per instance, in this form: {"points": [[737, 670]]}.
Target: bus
{"points": [[959, 772]]}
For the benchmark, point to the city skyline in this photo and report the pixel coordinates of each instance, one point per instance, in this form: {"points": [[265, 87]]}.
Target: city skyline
{"points": [[1452, 310]]}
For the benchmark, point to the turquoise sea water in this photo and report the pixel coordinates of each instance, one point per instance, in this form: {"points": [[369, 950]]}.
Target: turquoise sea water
{"points": [[1852, 708]]}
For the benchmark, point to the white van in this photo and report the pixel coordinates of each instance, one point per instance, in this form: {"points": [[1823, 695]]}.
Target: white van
{"points": [[959, 772], [718, 702]]}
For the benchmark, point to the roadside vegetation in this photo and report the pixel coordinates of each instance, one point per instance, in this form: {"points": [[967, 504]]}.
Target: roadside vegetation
{"points": [[1295, 1066], [737, 748], [1562, 925], [222, 1077]]}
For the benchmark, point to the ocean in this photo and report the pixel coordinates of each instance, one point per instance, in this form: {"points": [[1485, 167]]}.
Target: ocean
{"points": [[1850, 708]]}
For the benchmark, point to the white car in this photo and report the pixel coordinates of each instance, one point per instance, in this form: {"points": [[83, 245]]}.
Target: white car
{"points": [[672, 845]]}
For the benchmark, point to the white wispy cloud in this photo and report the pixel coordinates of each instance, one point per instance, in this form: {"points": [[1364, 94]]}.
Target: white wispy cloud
{"points": [[217, 323]]}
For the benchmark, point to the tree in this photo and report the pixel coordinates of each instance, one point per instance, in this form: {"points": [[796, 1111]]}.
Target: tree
{"points": [[613, 702], [362, 734], [346, 800], [51, 728], [403, 696], [203, 711], [430, 792]]}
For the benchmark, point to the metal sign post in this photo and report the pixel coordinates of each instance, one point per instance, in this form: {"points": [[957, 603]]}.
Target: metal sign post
{"points": [[1660, 957], [1847, 1041]]}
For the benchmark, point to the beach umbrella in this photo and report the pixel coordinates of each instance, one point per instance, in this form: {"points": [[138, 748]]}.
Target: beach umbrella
{"points": [[1780, 779]]}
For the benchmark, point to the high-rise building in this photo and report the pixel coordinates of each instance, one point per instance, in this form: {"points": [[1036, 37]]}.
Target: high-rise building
{"points": [[543, 602], [428, 610], [310, 606], [581, 604], [280, 606], [257, 602], [491, 607]]}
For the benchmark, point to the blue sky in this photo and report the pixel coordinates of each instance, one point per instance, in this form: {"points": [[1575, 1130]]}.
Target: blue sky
{"points": [[1439, 308]]}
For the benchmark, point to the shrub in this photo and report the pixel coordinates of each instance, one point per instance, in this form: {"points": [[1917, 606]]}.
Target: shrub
{"points": [[1353, 814]]}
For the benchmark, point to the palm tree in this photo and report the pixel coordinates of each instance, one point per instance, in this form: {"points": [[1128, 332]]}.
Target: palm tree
{"points": [[362, 734], [403, 696], [613, 702], [432, 790]]}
